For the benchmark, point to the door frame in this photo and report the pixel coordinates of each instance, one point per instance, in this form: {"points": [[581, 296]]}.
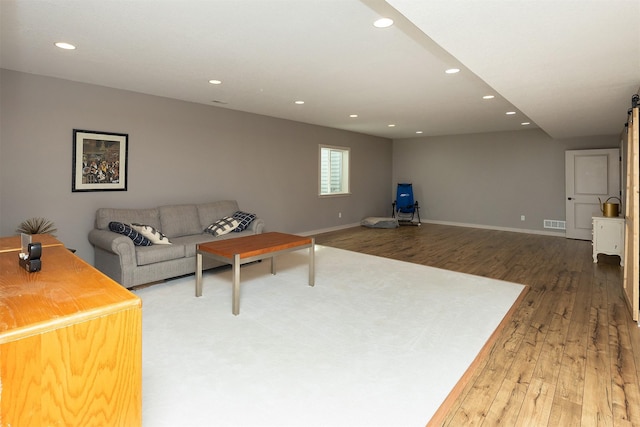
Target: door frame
{"points": [[588, 202]]}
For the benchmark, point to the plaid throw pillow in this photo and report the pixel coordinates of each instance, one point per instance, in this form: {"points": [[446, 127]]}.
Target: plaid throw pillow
{"points": [[244, 219], [222, 226], [126, 230]]}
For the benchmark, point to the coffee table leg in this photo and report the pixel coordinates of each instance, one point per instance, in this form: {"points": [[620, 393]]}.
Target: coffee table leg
{"points": [[273, 265], [198, 275], [236, 284], [312, 263]]}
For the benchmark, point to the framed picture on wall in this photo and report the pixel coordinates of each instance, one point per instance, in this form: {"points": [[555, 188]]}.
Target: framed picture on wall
{"points": [[99, 161]]}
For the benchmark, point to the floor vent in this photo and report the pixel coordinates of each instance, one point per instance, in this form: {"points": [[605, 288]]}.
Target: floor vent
{"points": [[552, 223]]}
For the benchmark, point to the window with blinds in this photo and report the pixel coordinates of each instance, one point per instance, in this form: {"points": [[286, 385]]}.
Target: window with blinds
{"points": [[334, 170]]}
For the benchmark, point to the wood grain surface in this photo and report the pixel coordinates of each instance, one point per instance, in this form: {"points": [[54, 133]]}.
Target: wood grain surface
{"points": [[254, 245], [70, 345]]}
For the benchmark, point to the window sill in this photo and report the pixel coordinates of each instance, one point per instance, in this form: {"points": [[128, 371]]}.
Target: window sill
{"points": [[323, 196]]}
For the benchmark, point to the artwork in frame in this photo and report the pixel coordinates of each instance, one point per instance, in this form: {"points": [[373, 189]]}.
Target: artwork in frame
{"points": [[99, 161]]}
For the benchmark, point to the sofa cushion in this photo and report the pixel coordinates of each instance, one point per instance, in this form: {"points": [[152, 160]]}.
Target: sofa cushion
{"points": [[127, 216], [210, 212], [222, 226], [179, 220], [244, 219], [126, 230], [190, 242], [158, 253], [155, 236]]}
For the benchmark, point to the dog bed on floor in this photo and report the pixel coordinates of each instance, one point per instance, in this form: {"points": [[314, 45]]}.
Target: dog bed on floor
{"points": [[380, 222]]}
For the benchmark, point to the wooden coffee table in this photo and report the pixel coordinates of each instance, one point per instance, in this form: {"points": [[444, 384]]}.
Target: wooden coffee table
{"points": [[242, 250]]}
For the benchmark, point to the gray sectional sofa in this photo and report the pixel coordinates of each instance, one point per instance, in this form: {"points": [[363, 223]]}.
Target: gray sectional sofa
{"points": [[184, 225]]}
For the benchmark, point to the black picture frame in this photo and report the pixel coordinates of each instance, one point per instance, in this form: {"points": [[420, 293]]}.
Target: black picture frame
{"points": [[99, 161]]}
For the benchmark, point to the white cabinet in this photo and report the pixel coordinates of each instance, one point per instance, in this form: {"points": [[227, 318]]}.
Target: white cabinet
{"points": [[608, 237]]}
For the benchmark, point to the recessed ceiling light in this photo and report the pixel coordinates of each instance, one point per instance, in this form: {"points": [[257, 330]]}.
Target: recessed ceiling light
{"points": [[353, 116], [299, 102], [383, 23], [510, 113], [215, 82], [419, 131], [452, 70], [391, 125], [525, 123], [488, 97], [63, 45]]}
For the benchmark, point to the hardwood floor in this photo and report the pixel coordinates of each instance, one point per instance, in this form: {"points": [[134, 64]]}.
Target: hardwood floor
{"points": [[569, 356]]}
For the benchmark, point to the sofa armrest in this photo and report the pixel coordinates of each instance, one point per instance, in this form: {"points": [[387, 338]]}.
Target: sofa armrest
{"points": [[256, 226], [116, 244]]}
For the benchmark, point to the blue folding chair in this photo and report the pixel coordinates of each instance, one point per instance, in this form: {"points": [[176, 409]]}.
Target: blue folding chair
{"points": [[405, 209]]}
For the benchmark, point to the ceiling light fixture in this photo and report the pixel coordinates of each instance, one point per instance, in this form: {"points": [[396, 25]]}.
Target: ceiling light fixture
{"points": [[488, 97], [383, 23], [419, 131], [452, 70], [66, 46], [353, 116], [525, 123], [299, 102], [215, 82], [510, 113], [391, 125]]}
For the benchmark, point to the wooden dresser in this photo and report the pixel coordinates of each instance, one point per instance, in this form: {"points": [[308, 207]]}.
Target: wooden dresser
{"points": [[70, 343]]}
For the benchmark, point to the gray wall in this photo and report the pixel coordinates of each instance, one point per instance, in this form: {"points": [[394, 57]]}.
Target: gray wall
{"points": [[490, 179], [182, 152], [179, 152]]}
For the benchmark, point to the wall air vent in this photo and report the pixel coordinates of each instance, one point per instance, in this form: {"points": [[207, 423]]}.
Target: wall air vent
{"points": [[556, 225]]}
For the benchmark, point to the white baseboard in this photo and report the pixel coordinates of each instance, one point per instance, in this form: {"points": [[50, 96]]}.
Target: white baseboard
{"points": [[454, 224], [327, 230], [491, 227]]}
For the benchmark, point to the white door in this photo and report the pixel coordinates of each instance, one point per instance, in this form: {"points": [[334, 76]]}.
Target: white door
{"points": [[589, 174]]}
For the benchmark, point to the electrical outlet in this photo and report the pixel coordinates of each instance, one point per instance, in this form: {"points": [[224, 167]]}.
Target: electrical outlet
{"points": [[521, 217]]}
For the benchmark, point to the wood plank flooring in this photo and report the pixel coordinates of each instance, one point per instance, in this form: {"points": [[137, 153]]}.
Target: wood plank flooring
{"points": [[570, 355]]}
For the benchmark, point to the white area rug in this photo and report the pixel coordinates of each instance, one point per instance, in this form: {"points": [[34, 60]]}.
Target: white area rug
{"points": [[376, 342]]}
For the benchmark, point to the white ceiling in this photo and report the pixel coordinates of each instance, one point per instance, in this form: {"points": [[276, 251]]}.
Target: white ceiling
{"points": [[567, 66]]}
